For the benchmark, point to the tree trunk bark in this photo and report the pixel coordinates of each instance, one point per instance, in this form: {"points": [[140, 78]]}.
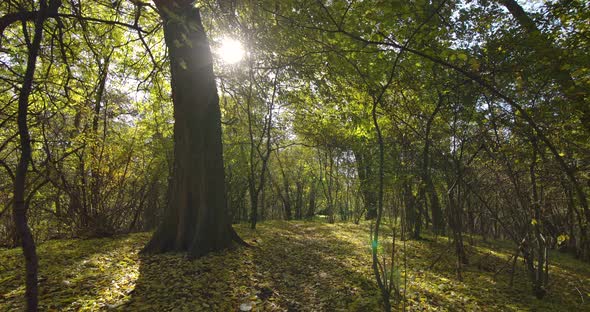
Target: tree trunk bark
{"points": [[434, 204], [539, 274], [367, 187], [253, 192], [299, 200], [311, 205], [20, 206], [381, 280], [196, 220], [286, 196]]}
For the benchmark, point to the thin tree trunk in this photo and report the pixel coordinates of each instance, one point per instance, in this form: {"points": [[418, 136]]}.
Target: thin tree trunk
{"points": [[311, 204], [381, 280], [255, 188], [299, 200], [539, 275], [20, 205], [437, 216], [367, 186], [286, 196]]}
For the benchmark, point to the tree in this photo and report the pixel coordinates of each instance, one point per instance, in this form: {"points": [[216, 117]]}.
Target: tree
{"points": [[20, 204], [552, 57], [196, 220]]}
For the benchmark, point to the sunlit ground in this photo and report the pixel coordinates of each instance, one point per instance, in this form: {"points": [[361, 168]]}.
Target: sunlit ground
{"points": [[303, 266]]}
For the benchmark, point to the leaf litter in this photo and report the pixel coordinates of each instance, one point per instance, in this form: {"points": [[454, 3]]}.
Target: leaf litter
{"points": [[294, 266]]}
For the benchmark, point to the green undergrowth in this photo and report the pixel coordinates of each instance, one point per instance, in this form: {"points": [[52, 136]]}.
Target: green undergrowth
{"points": [[295, 266]]}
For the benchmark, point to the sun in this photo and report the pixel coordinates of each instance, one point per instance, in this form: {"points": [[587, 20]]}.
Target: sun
{"points": [[230, 51]]}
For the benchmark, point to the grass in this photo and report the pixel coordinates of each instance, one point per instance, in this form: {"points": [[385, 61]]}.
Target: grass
{"points": [[296, 266]]}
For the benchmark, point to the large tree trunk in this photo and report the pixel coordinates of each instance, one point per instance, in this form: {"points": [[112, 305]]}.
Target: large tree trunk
{"points": [[196, 219]]}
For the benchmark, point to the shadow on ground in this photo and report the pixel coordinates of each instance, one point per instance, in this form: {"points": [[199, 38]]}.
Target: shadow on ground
{"points": [[308, 266], [293, 267]]}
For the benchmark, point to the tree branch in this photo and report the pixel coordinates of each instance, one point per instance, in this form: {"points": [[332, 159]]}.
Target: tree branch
{"points": [[11, 18]]}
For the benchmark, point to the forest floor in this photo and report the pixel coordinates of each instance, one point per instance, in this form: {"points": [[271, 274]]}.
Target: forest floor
{"points": [[295, 266]]}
